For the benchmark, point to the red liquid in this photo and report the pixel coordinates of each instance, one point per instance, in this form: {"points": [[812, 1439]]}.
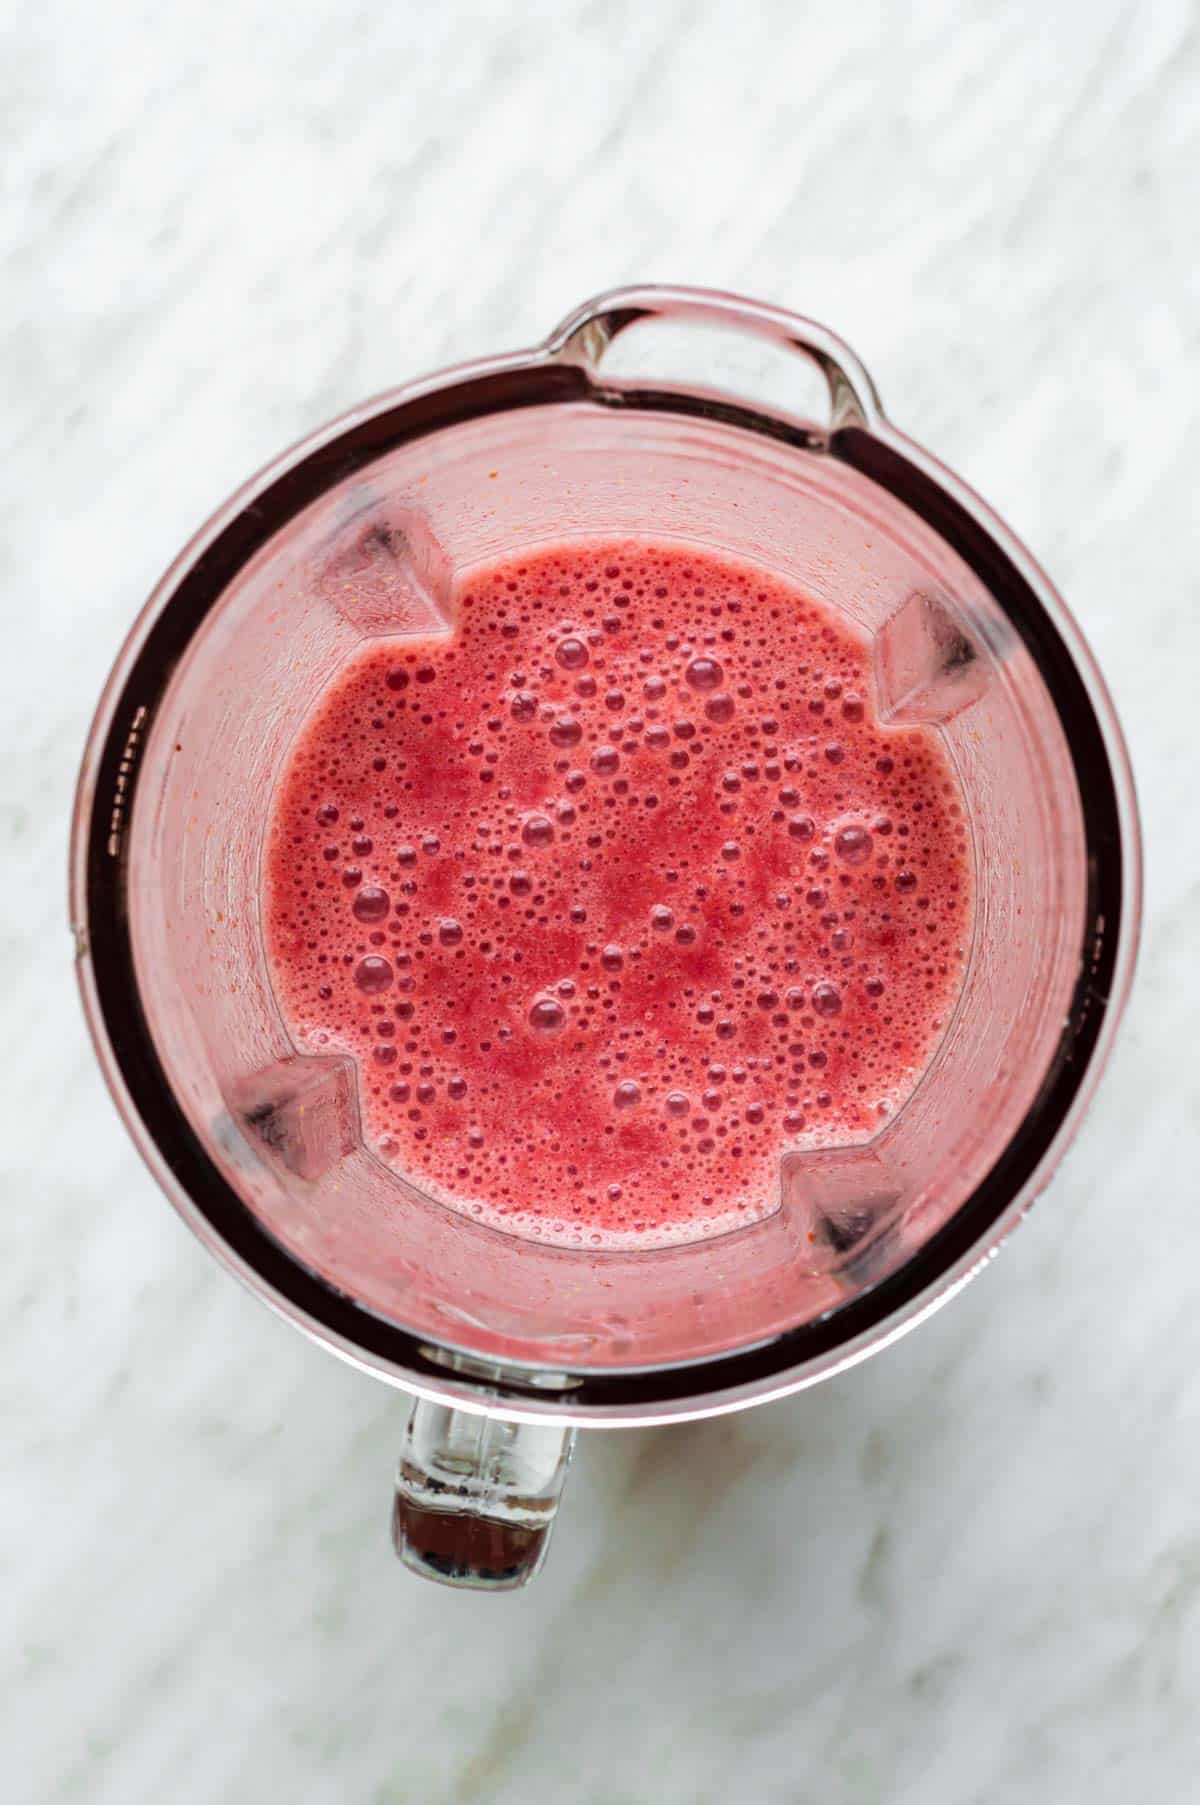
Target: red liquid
{"points": [[617, 892]]}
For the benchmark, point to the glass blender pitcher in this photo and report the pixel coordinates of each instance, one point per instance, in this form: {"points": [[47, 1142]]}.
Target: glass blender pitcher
{"points": [[507, 1347]]}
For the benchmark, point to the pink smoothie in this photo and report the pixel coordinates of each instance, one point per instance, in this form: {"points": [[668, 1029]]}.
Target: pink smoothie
{"points": [[617, 892]]}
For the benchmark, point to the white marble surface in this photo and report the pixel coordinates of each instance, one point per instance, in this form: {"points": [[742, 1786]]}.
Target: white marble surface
{"points": [[965, 1574]]}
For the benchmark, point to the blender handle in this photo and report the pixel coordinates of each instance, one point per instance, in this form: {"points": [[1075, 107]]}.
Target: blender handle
{"points": [[476, 1496], [585, 335]]}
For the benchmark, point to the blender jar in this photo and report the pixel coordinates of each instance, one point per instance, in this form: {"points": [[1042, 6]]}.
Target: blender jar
{"points": [[508, 1346]]}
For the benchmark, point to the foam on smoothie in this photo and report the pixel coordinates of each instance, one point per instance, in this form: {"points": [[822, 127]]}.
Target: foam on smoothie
{"points": [[617, 892]]}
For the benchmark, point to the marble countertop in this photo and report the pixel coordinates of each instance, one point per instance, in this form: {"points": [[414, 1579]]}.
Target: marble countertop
{"points": [[967, 1573]]}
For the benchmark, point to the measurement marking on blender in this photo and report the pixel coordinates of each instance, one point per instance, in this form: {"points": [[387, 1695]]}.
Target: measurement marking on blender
{"points": [[129, 756]]}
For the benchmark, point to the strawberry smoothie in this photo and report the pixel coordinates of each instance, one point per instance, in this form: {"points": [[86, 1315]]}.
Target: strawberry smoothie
{"points": [[617, 892]]}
